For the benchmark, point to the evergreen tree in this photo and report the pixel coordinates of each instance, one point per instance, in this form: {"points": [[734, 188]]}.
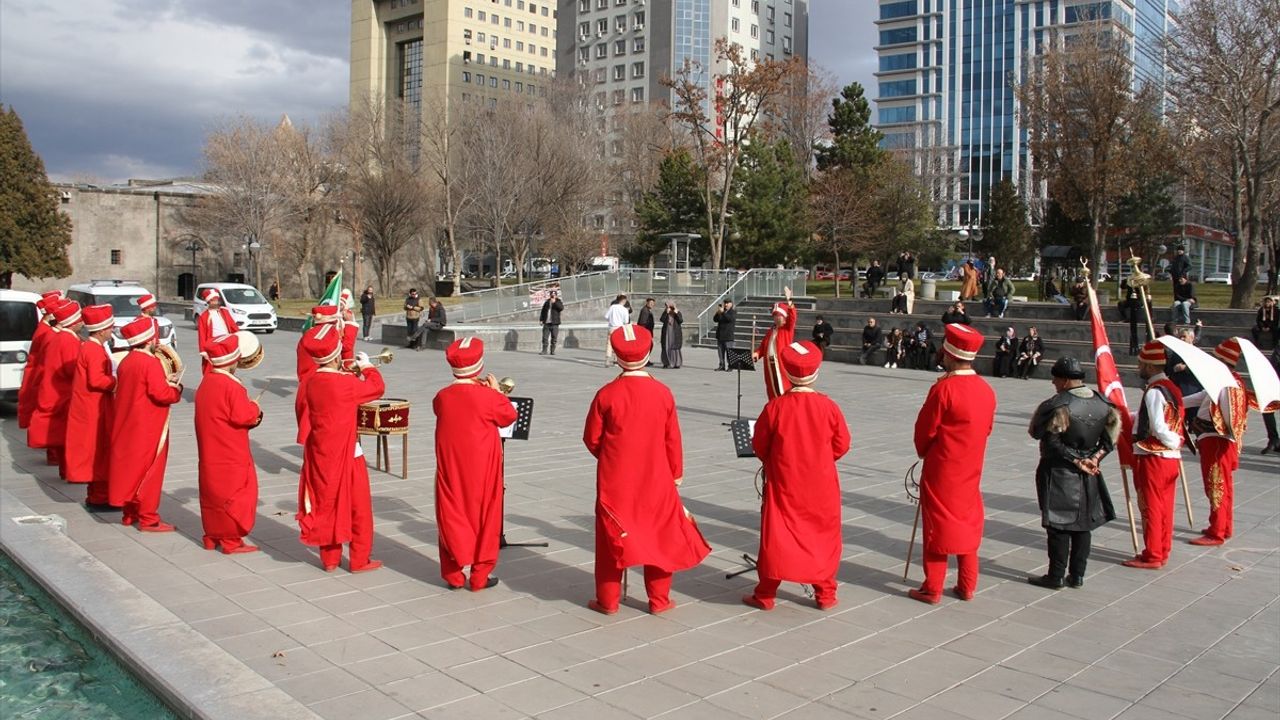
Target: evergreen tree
{"points": [[1006, 234], [768, 207], [1061, 229], [34, 235], [854, 142], [675, 204], [1148, 215]]}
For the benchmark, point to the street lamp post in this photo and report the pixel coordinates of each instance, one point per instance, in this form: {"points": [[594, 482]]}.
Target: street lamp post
{"points": [[252, 245]]}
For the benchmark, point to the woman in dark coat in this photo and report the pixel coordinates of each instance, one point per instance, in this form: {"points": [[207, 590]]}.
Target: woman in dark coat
{"points": [[1006, 348], [672, 337], [1030, 350]]}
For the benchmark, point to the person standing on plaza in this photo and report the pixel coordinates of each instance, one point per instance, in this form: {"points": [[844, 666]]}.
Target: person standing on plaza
{"points": [[872, 340], [726, 319], [469, 467], [48, 428], [999, 290], [672, 337], [951, 434], [799, 437], [273, 292], [335, 504], [617, 315], [549, 316], [780, 335], [1157, 448], [875, 276], [1220, 425], [412, 316], [1076, 428], [212, 325], [368, 308], [640, 519], [140, 429], [228, 478], [29, 389], [89, 413], [969, 283], [645, 318]]}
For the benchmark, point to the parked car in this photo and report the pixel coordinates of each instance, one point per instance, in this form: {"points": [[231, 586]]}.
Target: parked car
{"points": [[122, 296], [1217, 278], [18, 318], [248, 307]]}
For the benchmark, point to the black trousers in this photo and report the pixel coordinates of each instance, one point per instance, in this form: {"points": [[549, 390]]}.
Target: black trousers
{"points": [[722, 350], [368, 323], [550, 331], [411, 330], [1068, 552], [1273, 437]]}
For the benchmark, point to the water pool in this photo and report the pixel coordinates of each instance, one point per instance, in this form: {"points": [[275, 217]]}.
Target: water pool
{"points": [[50, 668]]}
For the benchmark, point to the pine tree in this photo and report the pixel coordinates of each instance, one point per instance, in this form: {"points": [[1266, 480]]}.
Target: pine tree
{"points": [[34, 235], [1006, 234], [1148, 215], [768, 206], [854, 142], [675, 204]]}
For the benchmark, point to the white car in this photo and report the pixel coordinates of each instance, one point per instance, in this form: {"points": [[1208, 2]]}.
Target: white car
{"points": [[248, 307], [122, 296], [1217, 278], [18, 318]]}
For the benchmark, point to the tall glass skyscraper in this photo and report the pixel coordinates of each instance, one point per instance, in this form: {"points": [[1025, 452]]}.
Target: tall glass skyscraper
{"points": [[946, 77]]}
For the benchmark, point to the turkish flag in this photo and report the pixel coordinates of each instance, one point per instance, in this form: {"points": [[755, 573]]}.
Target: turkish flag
{"points": [[1109, 379]]}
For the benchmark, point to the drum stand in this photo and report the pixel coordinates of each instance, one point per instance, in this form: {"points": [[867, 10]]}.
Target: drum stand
{"points": [[750, 565], [502, 534]]}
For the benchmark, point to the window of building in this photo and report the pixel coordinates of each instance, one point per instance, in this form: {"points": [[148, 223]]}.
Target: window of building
{"points": [[637, 94], [519, 46], [493, 18], [620, 23], [466, 77], [519, 87], [639, 20], [583, 5], [898, 88], [506, 84], [479, 79], [619, 47], [637, 70], [786, 19], [598, 75], [519, 67], [482, 16], [637, 45], [898, 35], [520, 26], [480, 58], [768, 36], [506, 22], [493, 81], [602, 4], [480, 38], [602, 27], [584, 29], [735, 25], [769, 14], [410, 65], [468, 12], [506, 64], [616, 148], [117, 256], [466, 36], [466, 57], [905, 61], [542, 51], [891, 115], [584, 54], [619, 72], [755, 6], [619, 97], [506, 43]]}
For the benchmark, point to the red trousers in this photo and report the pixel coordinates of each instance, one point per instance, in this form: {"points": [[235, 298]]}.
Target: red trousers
{"points": [[97, 494], [657, 585], [452, 573], [361, 524], [144, 508], [53, 455], [767, 591], [935, 573], [1156, 480], [1219, 459]]}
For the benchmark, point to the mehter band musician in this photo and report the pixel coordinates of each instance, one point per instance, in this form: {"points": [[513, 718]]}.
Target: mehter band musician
{"points": [[951, 436], [306, 367], [228, 478], [1076, 428], [469, 413], [29, 391], [780, 335], [639, 517], [212, 325], [799, 437], [1221, 423], [48, 428], [89, 415], [1157, 450]]}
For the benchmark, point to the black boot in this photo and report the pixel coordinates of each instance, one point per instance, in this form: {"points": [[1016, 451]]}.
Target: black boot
{"points": [[1046, 581], [1075, 581]]}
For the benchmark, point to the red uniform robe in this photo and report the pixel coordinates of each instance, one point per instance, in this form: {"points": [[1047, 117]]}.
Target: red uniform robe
{"points": [[633, 432], [951, 435], [349, 335], [28, 391], [306, 368], [798, 437], [48, 428], [469, 471], [140, 433], [204, 331], [770, 350], [228, 478], [329, 465], [89, 415]]}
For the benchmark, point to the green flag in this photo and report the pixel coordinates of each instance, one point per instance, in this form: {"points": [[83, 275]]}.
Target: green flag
{"points": [[330, 297]]}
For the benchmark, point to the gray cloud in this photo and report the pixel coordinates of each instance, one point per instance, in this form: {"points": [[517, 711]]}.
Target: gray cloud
{"points": [[112, 89]]}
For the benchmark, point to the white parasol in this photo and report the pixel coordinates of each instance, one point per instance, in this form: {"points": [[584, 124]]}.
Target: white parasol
{"points": [[1212, 375], [1266, 385]]}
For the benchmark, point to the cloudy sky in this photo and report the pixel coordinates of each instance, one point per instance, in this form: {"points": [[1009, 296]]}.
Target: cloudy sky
{"points": [[114, 89]]}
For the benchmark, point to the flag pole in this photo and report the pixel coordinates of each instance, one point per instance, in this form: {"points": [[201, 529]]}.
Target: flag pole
{"points": [[1128, 506], [1182, 472]]}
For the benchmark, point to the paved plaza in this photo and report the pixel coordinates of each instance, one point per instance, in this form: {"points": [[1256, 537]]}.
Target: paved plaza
{"points": [[1199, 639]]}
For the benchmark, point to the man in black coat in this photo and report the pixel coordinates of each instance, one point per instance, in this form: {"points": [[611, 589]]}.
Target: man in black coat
{"points": [[1076, 428], [549, 316], [1180, 266], [872, 339], [645, 319], [822, 332], [726, 318], [956, 314], [875, 276]]}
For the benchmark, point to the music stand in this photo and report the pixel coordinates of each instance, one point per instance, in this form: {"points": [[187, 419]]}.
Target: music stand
{"points": [[518, 430], [741, 431], [739, 360]]}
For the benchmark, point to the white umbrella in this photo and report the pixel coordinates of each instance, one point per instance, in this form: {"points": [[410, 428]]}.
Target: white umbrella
{"points": [[1212, 375], [1266, 385]]}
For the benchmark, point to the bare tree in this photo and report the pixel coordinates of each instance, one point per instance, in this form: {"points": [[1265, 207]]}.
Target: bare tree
{"points": [[1226, 74], [495, 150], [448, 168], [842, 209], [308, 183], [644, 137], [801, 116]]}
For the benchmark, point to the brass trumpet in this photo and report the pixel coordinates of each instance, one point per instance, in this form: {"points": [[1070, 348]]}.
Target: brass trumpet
{"points": [[507, 385], [383, 358]]}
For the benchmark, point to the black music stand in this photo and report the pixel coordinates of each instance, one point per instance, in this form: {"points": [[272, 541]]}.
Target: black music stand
{"points": [[519, 430], [739, 360], [741, 430]]}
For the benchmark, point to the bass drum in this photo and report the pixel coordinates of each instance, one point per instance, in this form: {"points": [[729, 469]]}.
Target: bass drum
{"points": [[170, 359], [251, 351]]}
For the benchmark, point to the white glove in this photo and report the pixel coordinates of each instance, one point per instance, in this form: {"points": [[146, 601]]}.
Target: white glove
{"points": [[362, 359]]}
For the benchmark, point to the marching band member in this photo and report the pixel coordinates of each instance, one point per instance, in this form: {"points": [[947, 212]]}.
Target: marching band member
{"points": [[1221, 423], [776, 338], [469, 490], [140, 429], [799, 437], [213, 324], [335, 506], [350, 331], [1157, 450], [320, 315], [639, 517], [150, 307], [951, 436], [228, 478], [88, 417], [29, 389], [48, 428]]}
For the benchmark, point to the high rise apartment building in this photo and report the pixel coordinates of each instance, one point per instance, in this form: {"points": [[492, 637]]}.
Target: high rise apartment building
{"points": [[945, 83], [432, 52]]}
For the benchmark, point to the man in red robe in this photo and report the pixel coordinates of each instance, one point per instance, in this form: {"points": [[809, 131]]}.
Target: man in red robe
{"points": [[777, 337], [306, 367], [48, 428], [469, 413], [1221, 423], [951, 436], [150, 307], [1157, 454], [335, 506], [88, 417], [640, 519], [28, 391], [140, 429], [798, 437], [212, 325], [228, 478]]}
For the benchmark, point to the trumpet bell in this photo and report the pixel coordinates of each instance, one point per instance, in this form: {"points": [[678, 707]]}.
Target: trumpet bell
{"points": [[383, 358], [507, 385]]}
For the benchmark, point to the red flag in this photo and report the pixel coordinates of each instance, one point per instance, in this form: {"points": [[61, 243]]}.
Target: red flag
{"points": [[1109, 379]]}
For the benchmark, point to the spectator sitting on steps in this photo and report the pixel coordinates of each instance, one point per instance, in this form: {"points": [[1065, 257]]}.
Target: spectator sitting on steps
{"points": [[872, 338], [999, 290], [956, 314]]}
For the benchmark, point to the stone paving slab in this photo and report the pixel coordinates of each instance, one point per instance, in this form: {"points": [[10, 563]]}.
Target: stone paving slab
{"points": [[1199, 639]]}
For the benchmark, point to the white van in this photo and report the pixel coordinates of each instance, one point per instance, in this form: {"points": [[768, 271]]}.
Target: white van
{"points": [[248, 307], [122, 296], [18, 318]]}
